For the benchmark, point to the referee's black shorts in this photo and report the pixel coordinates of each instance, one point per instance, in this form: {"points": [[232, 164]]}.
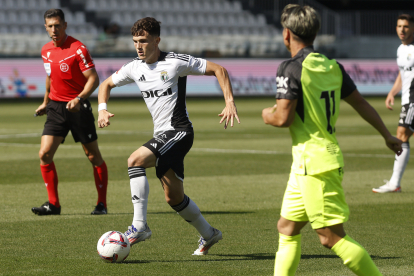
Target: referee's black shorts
{"points": [[81, 124], [170, 148]]}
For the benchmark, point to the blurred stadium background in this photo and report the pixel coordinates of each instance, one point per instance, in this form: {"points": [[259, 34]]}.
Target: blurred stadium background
{"points": [[245, 34]]}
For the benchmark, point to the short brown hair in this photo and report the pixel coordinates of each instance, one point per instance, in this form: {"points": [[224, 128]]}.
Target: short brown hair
{"points": [[407, 17], [304, 21], [147, 24], [54, 13]]}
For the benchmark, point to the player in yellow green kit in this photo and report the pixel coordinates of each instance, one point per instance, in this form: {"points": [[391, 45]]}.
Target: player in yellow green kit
{"points": [[309, 89]]}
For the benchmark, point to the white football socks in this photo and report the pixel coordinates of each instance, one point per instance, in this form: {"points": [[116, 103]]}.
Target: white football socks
{"points": [[189, 211], [399, 165], [139, 193]]}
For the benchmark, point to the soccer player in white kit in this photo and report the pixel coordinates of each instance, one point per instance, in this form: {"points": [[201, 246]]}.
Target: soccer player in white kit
{"points": [[405, 84], [162, 77]]}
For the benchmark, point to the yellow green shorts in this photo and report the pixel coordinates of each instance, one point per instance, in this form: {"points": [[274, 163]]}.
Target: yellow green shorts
{"points": [[318, 199]]}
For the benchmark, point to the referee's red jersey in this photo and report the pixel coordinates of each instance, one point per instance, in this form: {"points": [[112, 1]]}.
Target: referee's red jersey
{"points": [[65, 66]]}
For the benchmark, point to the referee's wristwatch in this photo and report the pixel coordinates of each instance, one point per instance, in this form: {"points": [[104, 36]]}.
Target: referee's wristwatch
{"points": [[80, 99]]}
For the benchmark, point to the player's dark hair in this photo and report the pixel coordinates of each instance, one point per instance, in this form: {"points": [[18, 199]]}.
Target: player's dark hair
{"points": [[407, 17], [304, 21], [148, 24], [54, 13]]}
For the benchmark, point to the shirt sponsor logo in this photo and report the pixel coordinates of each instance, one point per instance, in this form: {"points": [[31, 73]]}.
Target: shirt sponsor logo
{"points": [[405, 68], [282, 82], [64, 67], [156, 93], [164, 76]]}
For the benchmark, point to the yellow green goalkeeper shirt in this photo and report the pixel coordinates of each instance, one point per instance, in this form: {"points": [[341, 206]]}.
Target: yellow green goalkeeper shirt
{"points": [[318, 84]]}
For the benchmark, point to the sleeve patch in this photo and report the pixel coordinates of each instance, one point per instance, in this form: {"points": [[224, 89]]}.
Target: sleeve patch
{"points": [[282, 84]]}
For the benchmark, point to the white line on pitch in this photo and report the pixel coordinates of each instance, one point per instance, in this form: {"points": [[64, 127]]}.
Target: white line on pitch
{"points": [[103, 132], [212, 150], [5, 136]]}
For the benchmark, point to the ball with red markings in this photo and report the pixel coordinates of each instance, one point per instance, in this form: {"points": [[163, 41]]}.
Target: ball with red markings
{"points": [[113, 247]]}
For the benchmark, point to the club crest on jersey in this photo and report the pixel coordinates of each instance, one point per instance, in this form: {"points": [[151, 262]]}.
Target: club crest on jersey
{"points": [[409, 57], [48, 54], [164, 76], [64, 67]]}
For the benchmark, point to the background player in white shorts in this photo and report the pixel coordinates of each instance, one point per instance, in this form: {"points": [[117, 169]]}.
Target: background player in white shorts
{"points": [[161, 77], [404, 83]]}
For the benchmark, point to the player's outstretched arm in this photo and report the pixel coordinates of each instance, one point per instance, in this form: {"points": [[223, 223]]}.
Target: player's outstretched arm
{"points": [[230, 111], [389, 101], [103, 97], [369, 114]]}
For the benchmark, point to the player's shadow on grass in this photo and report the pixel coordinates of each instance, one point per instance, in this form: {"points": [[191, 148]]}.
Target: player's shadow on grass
{"points": [[223, 258], [319, 257], [168, 213], [383, 258], [335, 257], [208, 212], [245, 257]]}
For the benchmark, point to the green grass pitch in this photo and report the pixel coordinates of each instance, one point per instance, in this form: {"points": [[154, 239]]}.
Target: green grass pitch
{"points": [[236, 176]]}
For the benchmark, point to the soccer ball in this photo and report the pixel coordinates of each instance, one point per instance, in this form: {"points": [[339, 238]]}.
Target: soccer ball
{"points": [[113, 247]]}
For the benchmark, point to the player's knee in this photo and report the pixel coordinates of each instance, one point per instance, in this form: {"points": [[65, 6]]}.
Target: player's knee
{"points": [[45, 156], [135, 161], [173, 199], [326, 241], [282, 227], [90, 156]]}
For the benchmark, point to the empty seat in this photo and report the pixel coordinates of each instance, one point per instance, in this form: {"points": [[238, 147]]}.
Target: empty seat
{"points": [[54, 4], [3, 17], [32, 5], [38, 29], [79, 17], [237, 6], [26, 29], [91, 5], [36, 17], [20, 4], [227, 7], [179, 6], [43, 5], [3, 30], [12, 17], [117, 18], [8, 5], [24, 17], [195, 6], [69, 18], [261, 20]]}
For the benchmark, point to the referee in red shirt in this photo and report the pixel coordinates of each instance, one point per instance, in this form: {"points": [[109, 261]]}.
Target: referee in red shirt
{"points": [[71, 79]]}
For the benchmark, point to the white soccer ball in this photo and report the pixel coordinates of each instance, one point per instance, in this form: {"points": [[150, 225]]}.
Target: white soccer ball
{"points": [[113, 247]]}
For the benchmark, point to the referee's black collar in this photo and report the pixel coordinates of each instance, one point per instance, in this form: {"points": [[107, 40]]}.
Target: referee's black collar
{"points": [[305, 51]]}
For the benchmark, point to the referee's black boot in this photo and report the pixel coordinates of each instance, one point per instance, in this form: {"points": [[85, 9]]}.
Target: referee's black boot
{"points": [[46, 209], [100, 209]]}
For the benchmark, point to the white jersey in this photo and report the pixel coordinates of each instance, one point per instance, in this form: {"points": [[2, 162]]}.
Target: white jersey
{"points": [[163, 87], [405, 62]]}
